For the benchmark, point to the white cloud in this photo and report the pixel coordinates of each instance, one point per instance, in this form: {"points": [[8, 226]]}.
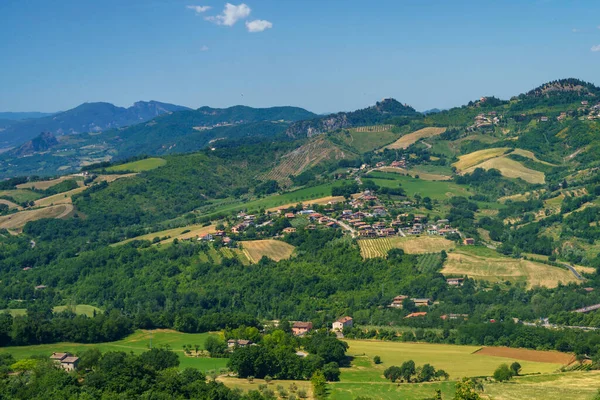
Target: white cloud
{"points": [[231, 14], [204, 48], [595, 48], [575, 30], [199, 9], [258, 25]]}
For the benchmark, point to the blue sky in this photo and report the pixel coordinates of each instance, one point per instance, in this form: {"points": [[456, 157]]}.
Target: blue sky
{"points": [[324, 55]]}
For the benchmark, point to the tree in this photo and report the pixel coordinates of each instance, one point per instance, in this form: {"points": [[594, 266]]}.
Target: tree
{"points": [[319, 384], [377, 360], [503, 373], [215, 346], [515, 368], [159, 359], [465, 390], [268, 379], [331, 371], [427, 373], [393, 373], [407, 370]]}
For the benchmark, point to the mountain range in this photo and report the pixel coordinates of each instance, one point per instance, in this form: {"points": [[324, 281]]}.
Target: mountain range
{"points": [[88, 117]]}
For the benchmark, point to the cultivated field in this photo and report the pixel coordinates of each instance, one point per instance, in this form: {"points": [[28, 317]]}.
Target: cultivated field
{"points": [[276, 250], [510, 169], [371, 248], [43, 185], [138, 342], [170, 234], [552, 357], [112, 178], [374, 128], [469, 160], [485, 264], [407, 140], [10, 204], [369, 138], [530, 155], [80, 309], [427, 176], [139, 166], [60, 198], [321, 201], [246, 386], [304, 157], [19, 219], [572, 386], [20, 195]]}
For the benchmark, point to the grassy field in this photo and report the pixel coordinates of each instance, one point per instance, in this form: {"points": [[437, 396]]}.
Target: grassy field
{"points": [[469, 160], [510, 169], [274, 249], [368, 138], [10, 204], [530, 155], [371, 248], [572, 386], [43, 185], [20, 195], [170, 234], [138, 342], [113, 177], [139, 166], [18, 220], [364, 378], [80, 309], [407, 140], [436, 190], [414, 172], [321, 201], [60, 198], [246, 386], [485, 264]]}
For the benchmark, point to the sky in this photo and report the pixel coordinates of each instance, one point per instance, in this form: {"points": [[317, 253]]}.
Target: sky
{"points": [[323, 55]]}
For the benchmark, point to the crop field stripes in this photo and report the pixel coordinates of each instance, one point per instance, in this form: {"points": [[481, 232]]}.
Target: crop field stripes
{"points": [[374, 129], [429, 263]]}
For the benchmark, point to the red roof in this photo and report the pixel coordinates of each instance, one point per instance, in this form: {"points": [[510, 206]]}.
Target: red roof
{"points": [[416, 314]]}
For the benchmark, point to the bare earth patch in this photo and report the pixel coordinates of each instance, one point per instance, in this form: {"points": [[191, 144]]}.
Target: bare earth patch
{"points": [[407, 140], [553, 357], [18, 220], [276, 250]]}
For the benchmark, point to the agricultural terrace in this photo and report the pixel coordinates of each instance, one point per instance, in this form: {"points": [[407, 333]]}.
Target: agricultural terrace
{"points": [[276, 250], [59, 198], [138, 342], [304, 157], [484, 264], [364, 378], [436, 190], [407, 140], [79, 309], [43, 185], [18, 220], [372, 248], [138, 166], [368, 138]]}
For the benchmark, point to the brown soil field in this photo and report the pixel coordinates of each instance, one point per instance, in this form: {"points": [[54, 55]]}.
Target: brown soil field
{"points": [[112, 178], [18, 220], [321, 201], [276, 250], [43, 185], [553, 357], [60, 198]]}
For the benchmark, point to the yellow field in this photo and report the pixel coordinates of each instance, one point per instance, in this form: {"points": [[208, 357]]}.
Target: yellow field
{"points": [[469, 160], [60, 198], [458, 361], [43, 185], [510, 169], [371, 248], [413, 172], [530, 155], [497, 268], [112, 178], [321, 201], [276, 250], [171, 234], [572, 386], [10, 204], [19, 219], [146, 164], [584, 270], [407, 140]]}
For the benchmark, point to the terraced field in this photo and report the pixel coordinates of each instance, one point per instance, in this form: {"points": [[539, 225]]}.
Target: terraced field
{"points": [[304, 157], [276, 250], [407, 140], [372, 248]]}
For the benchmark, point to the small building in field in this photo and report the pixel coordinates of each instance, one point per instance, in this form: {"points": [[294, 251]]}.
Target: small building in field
{"points": [[231, 343], [469, 242], [289, 215], [66, 361], [455, 316], [421, 302], [300, 328], [455, 281], [340, 324], [289, 230], [398, 300]]}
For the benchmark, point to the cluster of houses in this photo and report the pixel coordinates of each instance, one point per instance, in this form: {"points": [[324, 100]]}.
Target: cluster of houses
{"points": [[209, 237], [485, 120], [394, 164]]}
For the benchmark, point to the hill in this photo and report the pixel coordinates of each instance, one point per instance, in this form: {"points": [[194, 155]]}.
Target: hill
{"points": [[43, 142], [17, 116], [88, 117], [381, 112]]}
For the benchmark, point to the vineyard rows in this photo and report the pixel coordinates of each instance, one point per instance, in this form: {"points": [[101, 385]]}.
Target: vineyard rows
{"points": [[375, 129]]}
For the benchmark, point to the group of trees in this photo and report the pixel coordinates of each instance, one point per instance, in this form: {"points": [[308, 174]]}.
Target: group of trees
{"points": [[408, 372]]}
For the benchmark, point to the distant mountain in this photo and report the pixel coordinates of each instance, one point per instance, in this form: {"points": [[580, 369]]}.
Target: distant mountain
{"points": [[88, 117], [43, 142], [432, 111], [382, 111], [17, 116], [570, 86]]}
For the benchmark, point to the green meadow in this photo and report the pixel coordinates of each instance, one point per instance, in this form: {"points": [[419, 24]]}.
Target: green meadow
{"points": [[139, 166], [437, 190]]}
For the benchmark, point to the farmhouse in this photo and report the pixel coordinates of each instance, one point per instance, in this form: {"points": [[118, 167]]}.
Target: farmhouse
{"points": [[231, 343], [289, 215], [421, 302], [301, 328], [289, 230], [469, 241], [455, 281], [397, 302], [340, 324], [65, 360], [455, 316]]}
